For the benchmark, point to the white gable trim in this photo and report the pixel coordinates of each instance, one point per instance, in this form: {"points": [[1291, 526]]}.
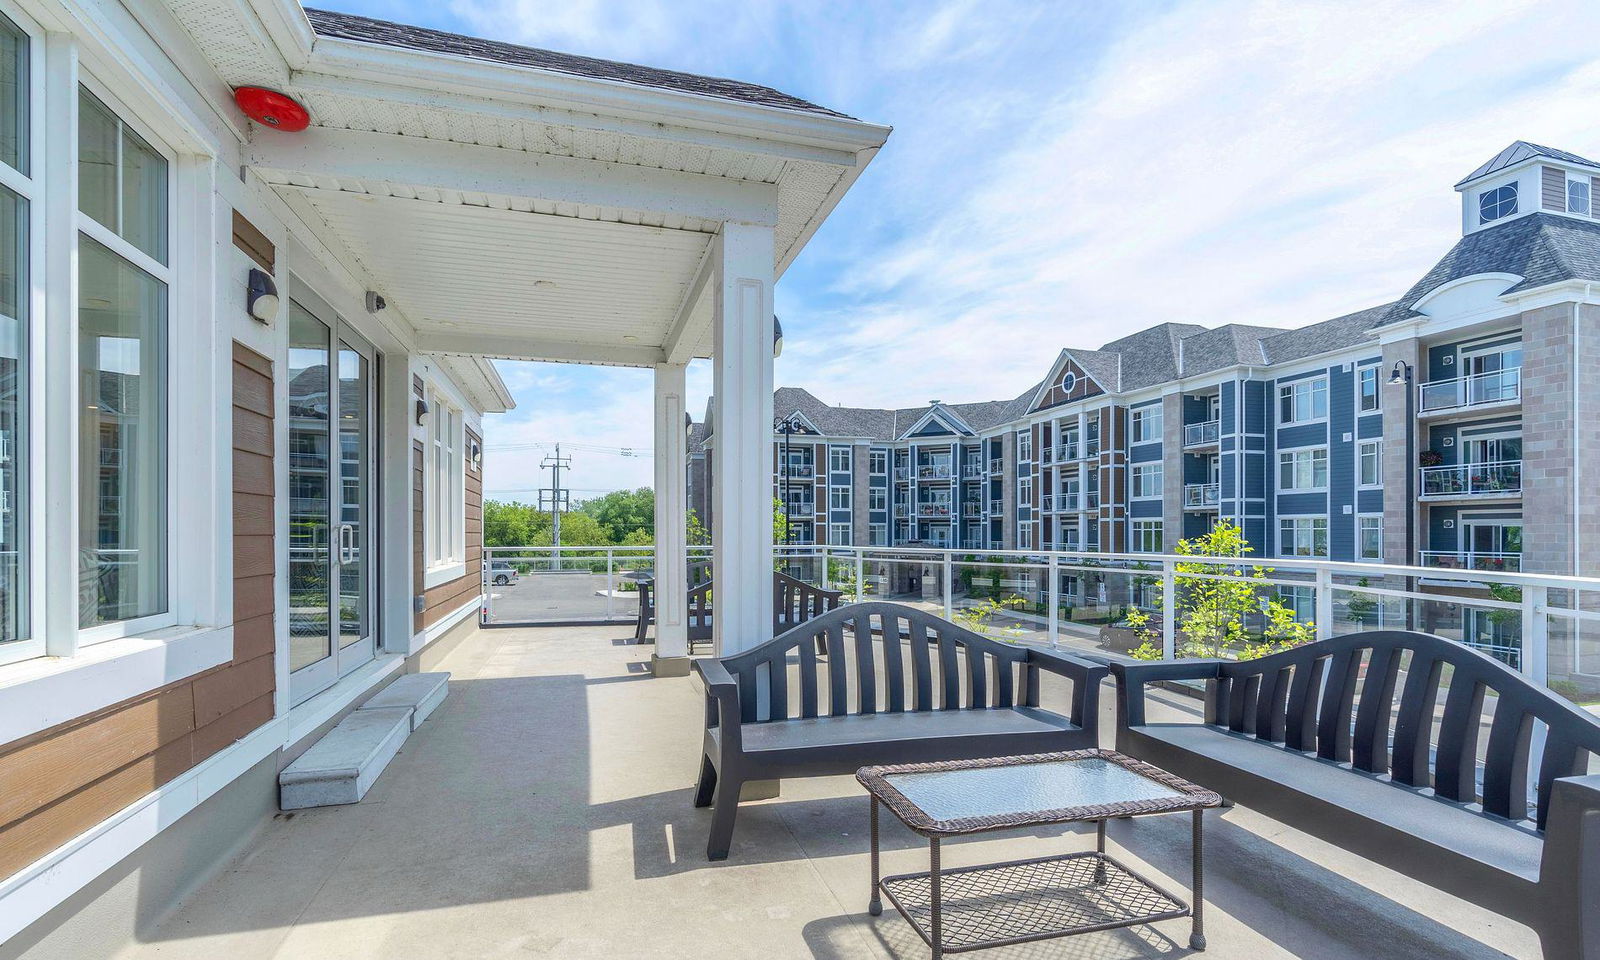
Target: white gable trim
{"points": [[945, 417]]}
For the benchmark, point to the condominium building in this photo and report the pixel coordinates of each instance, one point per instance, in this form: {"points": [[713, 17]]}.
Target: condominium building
{"points": [[1449, 427]]}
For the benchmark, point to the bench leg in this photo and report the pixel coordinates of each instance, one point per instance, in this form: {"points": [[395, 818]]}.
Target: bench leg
{"points": [[708, 782], [1197, 931], [724, 807]]}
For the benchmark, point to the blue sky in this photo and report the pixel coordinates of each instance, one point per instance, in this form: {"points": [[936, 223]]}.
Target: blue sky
{"points": [[1061, 173]]}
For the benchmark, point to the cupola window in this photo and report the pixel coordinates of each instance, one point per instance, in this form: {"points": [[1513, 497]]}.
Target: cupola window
{"points": [[1578, 196], [1497, 203]]}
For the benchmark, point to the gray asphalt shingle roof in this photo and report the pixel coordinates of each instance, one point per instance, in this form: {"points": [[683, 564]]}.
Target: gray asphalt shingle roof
{"points": [[1540, 247], [348, 26], [1519, 151], [1335, 334]]}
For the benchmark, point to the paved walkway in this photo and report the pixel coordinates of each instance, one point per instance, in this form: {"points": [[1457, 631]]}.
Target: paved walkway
{"points": [[544, 811]]}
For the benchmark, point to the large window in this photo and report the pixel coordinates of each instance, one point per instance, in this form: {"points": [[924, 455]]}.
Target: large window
{"points": [[877, 498], [1367, 394], [839, 498], [1145, 482], [878, 462], [1578, 196], [1303, 469], [1497, 203], [1147, 536], [1024, 446], [446, 468], [1303, 536], [1303, 401], [14, 319], [122, 377], [839, 534], [1370, 465], [1369, 537], [839, 459], [1145, 423]]}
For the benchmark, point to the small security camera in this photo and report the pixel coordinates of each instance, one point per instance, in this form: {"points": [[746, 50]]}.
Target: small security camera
{"points": [[375, 301]]}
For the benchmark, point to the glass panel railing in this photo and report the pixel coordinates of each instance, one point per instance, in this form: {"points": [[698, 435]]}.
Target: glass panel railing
{"points": [[1502, 478], [1501, 386], [1198, 434]]}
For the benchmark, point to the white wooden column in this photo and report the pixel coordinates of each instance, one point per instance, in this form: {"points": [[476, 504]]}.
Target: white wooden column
{"points": [[742, 387], [672, 630]]}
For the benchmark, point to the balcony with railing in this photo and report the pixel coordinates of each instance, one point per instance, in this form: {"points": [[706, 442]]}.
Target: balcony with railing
{"points": [[972, 470], [1047, 503], [996, 507], [1472, 481], [937, 507], [1201, 496], [934, 470], [902, 474], [902, 509], [1499, 388], [799, 471], [971, 508], [1204, 434], [996, 466], [1484, 561]]}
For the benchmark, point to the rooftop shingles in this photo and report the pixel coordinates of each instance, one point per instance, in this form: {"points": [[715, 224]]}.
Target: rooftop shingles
{"points": [[1316, 338], [348, 26]]}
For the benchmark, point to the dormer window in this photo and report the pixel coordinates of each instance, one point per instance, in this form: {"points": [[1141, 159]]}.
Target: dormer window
{"points": [[1578, 196], [1497, 203], [1068, 381]]}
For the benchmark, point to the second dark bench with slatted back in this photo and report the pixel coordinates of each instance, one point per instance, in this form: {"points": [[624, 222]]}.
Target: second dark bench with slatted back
{"points": [[944, 693], [1346, 740], [793, 603]]}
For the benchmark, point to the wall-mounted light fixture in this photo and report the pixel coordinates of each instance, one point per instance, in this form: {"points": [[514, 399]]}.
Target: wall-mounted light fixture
{"points": [[477, 456], [261, 296], [777, 337], [1400, 375], [422, 412], [375, 301]]}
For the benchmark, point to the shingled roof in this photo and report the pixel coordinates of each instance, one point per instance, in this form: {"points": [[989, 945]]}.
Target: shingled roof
{"points": [[348, 26], [1540, 248], [1519, 151], [1335, 334]]}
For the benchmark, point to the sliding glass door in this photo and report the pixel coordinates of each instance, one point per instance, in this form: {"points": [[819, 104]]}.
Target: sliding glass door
{"points": [[332, 539]]}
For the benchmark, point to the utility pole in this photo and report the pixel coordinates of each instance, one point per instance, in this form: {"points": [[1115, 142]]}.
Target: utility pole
{"points": [[556, 497]]}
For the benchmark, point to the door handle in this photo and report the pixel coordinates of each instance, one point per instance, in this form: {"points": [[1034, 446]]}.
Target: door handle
{"points": [[347, 543]]}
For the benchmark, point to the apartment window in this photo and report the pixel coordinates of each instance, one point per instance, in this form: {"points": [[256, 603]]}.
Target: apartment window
{"points": [[839, 459], [839, 534], [1303, 537], [446, 543], [877, 498], [1145, 423], [1303, 469], [1578, 196], [1370, 463], [1303, 401], [1147, 536], [1025, 533], [14, 319], [1497, 203], [1369, 537], [1367, 390], [1024, 446], [878, 462], [1302, 600], [878, 534], [839, 498], [122, 359], [1145, 483]]}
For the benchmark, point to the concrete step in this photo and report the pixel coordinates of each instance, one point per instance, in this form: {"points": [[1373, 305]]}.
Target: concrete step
{"points": [[420, 692], [344, 764]]}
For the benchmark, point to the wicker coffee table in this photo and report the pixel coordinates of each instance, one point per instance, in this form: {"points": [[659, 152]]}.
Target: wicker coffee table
{"points": [[1004, 903]]}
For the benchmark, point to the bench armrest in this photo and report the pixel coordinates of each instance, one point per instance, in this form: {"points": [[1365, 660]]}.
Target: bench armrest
{"points": [[1085, 676], [1132, 677], [1570, 871], [722, 700]]}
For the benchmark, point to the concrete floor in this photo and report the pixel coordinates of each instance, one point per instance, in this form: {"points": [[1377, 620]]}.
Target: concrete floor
{"points": [[544, 811]]}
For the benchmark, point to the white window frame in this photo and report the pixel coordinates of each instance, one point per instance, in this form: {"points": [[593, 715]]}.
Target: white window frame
{"points": [[835, 494], [1146, 423], [1588, 197], [878, 462], [1144, 481], [1484, 203], [1292, 457], [1290, 529], [1313, 387], [1362, 449], [1362, 520], [838, 534], [444, 489], [1377, 390], [835, 454], [878, 534], [1025, 446], [1140, 530], [877, 498]]}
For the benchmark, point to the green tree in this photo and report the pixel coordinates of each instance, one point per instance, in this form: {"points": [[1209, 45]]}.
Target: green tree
{"points": [[622, 512], [508, 524], [695, 532], [1217, 598]]}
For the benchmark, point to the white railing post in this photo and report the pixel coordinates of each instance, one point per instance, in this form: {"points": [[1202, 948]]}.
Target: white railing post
{"points": [[826, 577], [1536, 633], [861, 580], [948, 602], [486, 612], [1055, 603], [1324, 603], [610, 582], [1169, 611]]}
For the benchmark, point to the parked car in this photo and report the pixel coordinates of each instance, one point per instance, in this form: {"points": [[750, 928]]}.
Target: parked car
{"points": [[502, 573]]}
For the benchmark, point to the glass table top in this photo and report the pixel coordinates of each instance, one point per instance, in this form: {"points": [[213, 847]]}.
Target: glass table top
{"points": [[1026, 788]]}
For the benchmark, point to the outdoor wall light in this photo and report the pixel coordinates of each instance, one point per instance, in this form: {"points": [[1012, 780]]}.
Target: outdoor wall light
{"points": [[777, 337], [1400, 375], [261, 296], [422, 412], [477, 456]]}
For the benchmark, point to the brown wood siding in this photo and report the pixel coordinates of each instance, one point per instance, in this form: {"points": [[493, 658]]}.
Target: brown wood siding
{"points": [[449, 596], [1082, 389], [62, 781], [253, 242], [1553, 181]]}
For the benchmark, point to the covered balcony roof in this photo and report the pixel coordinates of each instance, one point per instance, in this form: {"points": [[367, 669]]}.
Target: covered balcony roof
{"points": [[520, 203]]}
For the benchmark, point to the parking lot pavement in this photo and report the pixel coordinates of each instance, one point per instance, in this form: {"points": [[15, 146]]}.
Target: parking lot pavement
{"points": [[554, 597]]}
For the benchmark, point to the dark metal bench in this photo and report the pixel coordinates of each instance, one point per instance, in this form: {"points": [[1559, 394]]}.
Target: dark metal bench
{"points": [[793, 603], [1372, 742], [945, 693]]}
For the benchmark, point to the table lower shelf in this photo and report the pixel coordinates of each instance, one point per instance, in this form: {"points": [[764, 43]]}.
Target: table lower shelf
{"points": [[1025, 900]]}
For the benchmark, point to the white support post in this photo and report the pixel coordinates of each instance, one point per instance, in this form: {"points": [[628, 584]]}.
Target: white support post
{"points": [[1324, 603], [861, 583], [1055, 603], [1169, 611], [948, 604], [1536, 633], [742, 320], [671, 658], [56, 499]]}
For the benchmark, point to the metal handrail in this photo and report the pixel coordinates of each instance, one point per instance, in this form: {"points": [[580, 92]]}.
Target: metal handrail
{"points": [[1479, 389], [1499, 478], [1197, 434], [1201, 494]]}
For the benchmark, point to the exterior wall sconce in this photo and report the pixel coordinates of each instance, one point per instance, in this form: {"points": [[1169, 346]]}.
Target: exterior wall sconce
{"points": [[477, 456], [777, 337], [1401, 375], [422, 412], [261, 296]]}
